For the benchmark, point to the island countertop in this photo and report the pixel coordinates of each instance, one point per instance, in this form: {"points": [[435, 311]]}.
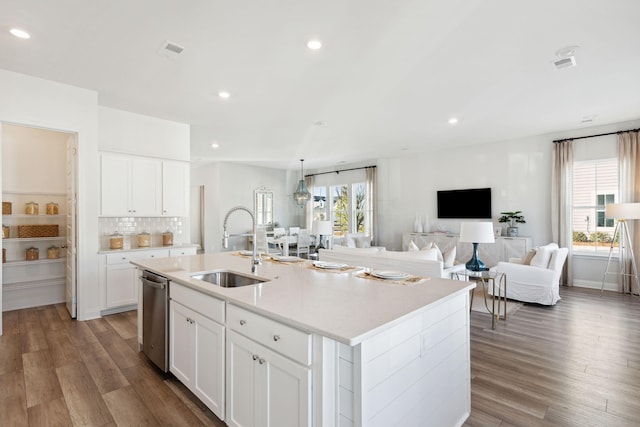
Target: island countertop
{"points": [[337, 305]]}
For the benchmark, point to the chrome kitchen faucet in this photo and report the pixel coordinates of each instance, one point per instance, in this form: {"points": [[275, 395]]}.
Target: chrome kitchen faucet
{"points": [[255, 258]]}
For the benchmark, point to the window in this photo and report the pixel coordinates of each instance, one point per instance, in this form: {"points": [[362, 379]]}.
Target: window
{"points": [[347, 207], [595, 184]]}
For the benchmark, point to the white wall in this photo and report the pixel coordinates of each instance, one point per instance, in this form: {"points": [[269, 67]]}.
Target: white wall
{"points": [[518, 172], [228, 185], [133, 133], [36, 102]]}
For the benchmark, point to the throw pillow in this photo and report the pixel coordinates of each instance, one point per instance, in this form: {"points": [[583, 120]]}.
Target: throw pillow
{"points": [[413, 247], [449, 257], [439, 252], [350, 241], [363, 242], [526, 259], [542, 257]]}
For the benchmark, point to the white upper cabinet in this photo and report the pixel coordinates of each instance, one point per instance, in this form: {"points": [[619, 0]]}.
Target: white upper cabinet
{"points": [[130, 186], [175, 188]]}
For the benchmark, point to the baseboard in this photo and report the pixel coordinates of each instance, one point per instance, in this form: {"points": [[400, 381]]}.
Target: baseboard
{"points": [[118, 309], [596, 285]]}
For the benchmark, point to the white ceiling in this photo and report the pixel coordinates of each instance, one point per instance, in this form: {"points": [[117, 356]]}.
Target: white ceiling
{"points": [[388, 78]]}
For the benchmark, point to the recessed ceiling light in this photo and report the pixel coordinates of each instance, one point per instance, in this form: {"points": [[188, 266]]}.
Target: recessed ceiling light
{"points": [[453, 120], [21, 34], [588, 119], [314, 44], [224, 95], [215, 145]]}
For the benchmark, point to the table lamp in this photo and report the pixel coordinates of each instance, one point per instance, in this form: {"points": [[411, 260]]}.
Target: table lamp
{"points": [[476, 232], [321, 228]]}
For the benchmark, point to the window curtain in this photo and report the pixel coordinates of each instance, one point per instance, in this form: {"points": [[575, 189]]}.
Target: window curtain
{"points": [[629, 183], [561, 202], [308, 207], [370, 203]]}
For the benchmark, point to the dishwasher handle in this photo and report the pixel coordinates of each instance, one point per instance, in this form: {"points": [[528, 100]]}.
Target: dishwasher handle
{"points": [[152, 283]]}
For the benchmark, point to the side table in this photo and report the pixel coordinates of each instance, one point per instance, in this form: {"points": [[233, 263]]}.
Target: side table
{"points": [[493, 280]]}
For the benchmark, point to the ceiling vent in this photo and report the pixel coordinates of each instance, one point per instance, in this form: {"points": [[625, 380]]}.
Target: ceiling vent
{"points": [[565, 62], [566, 57], [170, 49]]}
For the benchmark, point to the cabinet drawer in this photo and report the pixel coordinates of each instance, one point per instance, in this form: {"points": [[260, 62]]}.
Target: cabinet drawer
{"points": [[124, 257], [284, 339], [183, 251], [208, 306]]}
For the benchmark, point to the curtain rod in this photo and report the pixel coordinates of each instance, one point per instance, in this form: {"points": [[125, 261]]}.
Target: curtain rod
{"points": [[342, 170], [593, 136]]}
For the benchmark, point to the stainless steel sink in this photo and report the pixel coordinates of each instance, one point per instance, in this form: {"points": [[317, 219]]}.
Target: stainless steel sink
{"points": [[228, 279]]}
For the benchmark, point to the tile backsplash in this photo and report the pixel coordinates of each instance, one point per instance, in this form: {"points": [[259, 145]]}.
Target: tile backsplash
{"points": [[129, 227]]}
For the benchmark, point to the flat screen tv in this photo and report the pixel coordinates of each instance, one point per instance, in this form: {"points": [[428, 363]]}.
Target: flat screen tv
{"points": [[469, 203]]}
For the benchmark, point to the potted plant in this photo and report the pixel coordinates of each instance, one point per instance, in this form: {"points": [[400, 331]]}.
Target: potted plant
{"points": [[512, 218]]}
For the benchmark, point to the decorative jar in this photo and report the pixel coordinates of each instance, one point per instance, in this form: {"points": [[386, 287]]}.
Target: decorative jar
{"points": [[116, 241], [5, 231], [32, 254], [144, 239], [167, 238], [53, 252], [32, 208], [52, 208]]}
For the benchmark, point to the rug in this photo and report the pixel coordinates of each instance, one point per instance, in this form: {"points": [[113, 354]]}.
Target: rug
{"points": [[479, 306]]}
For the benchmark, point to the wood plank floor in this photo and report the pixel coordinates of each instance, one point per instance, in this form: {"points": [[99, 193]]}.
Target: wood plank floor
{"points": [[575, 364]]}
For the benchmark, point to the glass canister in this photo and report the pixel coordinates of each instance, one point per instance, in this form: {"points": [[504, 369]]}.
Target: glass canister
{"points": [[5, 231], [116, 241], [53, 252], [53, 208], [32, 208], [144, 239], [32, 254], [167, 238]]}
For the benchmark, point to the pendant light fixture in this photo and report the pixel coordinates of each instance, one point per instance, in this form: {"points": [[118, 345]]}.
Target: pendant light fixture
{"points": [[301, 195]]}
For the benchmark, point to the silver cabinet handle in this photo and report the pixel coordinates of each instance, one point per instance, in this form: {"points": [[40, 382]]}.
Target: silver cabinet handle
{"points": [[276, 337], [255, 357], [243, 322], [261, 361]]}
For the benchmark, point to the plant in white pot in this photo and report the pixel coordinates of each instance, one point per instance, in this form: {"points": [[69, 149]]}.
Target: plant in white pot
{"points": [[512, 218]]}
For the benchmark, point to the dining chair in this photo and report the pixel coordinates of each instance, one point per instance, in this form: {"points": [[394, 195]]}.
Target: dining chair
{"points": [[293, 231], [262, 244], [279, 232], [304, 242]]}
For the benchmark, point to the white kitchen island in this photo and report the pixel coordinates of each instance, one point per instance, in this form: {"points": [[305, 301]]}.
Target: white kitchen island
{"points": [[320, 348]]}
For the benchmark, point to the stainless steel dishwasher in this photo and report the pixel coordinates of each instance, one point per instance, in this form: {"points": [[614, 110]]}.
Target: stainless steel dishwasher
{"points": [[155, 319]]}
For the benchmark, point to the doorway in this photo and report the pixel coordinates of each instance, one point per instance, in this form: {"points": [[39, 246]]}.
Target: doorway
{"points": [[39, 199]]}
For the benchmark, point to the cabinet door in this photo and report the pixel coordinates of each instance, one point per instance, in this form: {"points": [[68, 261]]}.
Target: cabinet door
{"points": [[209, 364], [242, 390], [181, 342], [121, 283], [287, 394], [175, 188], [145, 187], [114, 184]]}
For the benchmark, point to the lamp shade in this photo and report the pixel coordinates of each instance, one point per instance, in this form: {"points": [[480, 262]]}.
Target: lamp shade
{"points": [[623, 210], [322, 228], [477, 232]]}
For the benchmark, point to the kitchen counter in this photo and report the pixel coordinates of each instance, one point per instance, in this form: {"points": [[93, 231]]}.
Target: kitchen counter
{"points": [[339, 306], [180, 246]]}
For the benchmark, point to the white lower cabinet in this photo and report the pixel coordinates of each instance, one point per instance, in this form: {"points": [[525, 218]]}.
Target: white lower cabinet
{"points": [[121, 285], [268, 372], [196, 354], [265, 388], [119, 278]]}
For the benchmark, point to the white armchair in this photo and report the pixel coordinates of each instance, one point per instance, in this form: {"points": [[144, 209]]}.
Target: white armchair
{"points": [[538, 282]]}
